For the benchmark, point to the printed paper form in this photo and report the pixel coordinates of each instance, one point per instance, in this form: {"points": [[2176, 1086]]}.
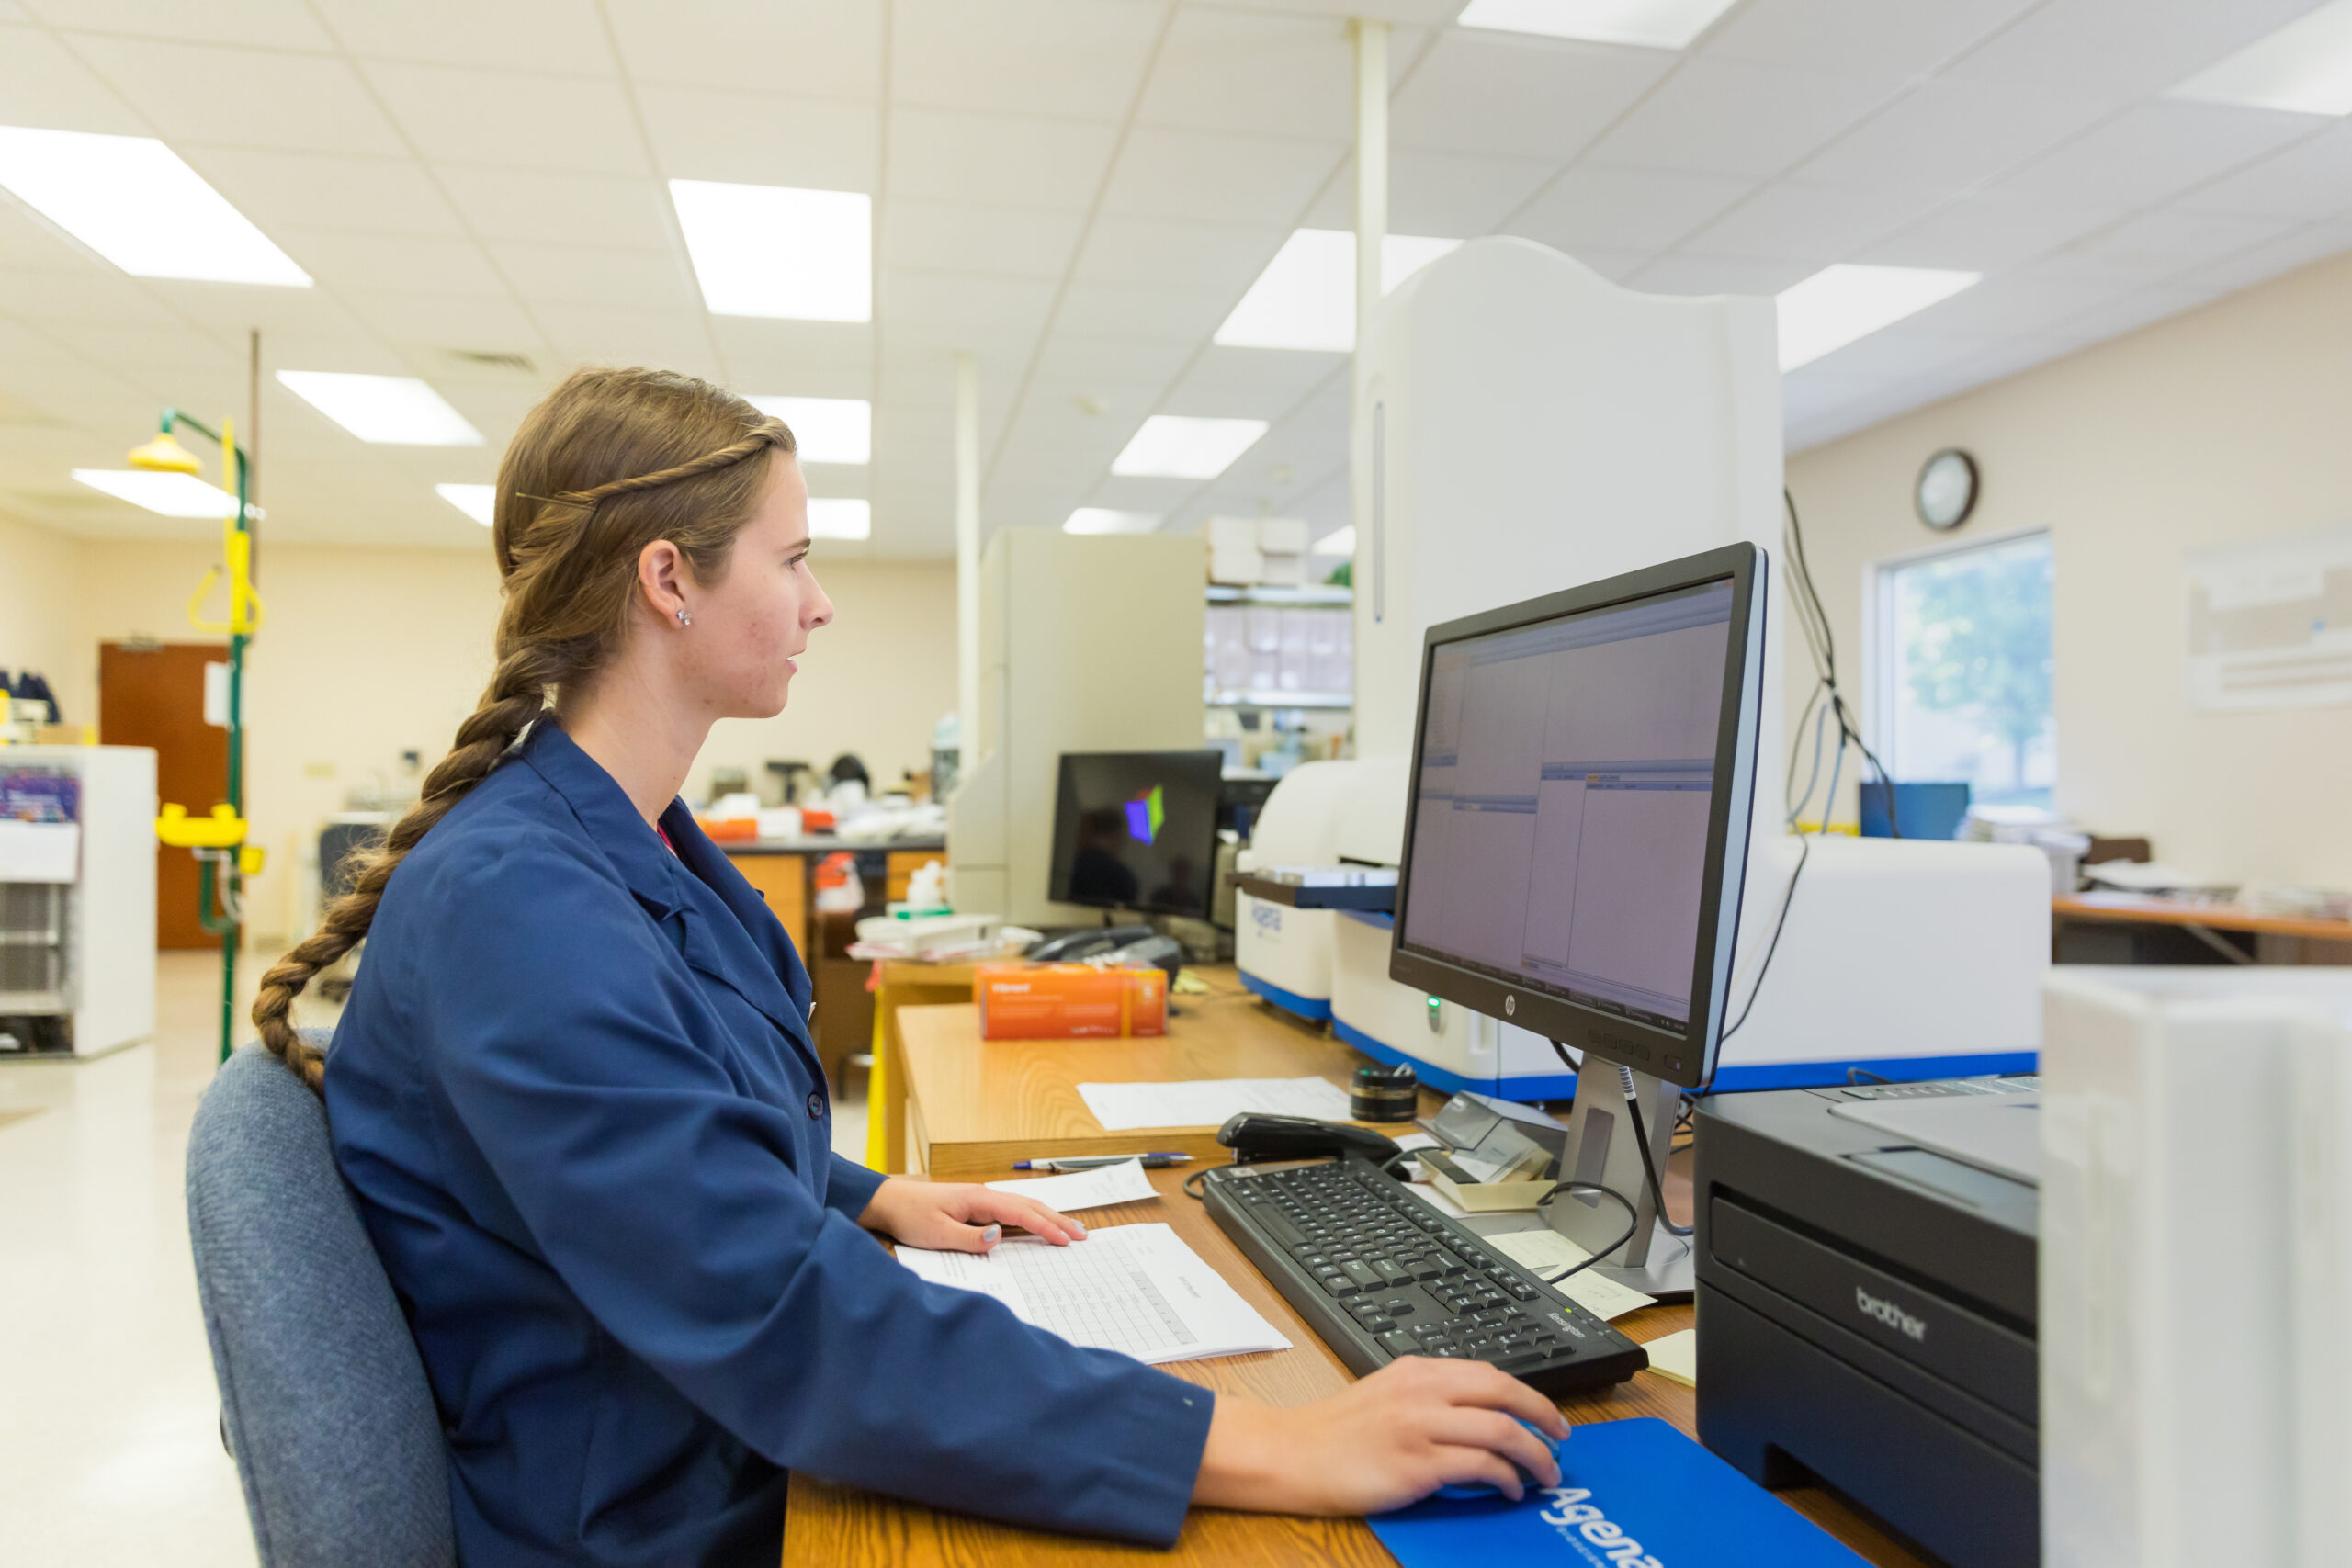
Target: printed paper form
{"points": [[1137, 1289], [1546, 1251], [1122, 1183], [1210, 1102], [1676, 1355]]}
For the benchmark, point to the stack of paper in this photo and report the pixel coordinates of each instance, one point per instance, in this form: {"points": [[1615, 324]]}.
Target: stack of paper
{"points": [[1122, 1183], [1137, 1289], [1210, 1102], [1546, 1251]]}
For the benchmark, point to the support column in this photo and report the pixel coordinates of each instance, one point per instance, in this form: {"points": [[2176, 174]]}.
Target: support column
{"points": [[967, 561], [1366, 429]]}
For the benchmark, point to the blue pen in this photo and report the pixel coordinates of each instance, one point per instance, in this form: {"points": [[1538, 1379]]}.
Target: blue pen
{"points": [[1095, 1162]]}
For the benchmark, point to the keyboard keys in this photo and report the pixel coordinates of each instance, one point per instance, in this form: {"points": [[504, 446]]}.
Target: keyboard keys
{"points": [[1363, 1274]]}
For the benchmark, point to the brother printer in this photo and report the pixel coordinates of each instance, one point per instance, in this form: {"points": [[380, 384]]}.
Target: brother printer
{"points": [[1865, 1289]]}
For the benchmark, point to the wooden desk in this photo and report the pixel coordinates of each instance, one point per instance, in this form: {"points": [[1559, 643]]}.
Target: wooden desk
{"points": [[901, 983], [1030, 1086], [2278, 939]]}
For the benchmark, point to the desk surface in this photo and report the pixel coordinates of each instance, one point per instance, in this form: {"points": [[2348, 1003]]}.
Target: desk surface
{"points": [[2147, 910], [1027, 1092]]}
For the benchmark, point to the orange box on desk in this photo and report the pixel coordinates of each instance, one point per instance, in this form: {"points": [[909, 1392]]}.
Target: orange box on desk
{"points": [[1068, 1002]]}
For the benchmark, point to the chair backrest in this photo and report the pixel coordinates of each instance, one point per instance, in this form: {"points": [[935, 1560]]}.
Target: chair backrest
{"points": [[323, 1399]]}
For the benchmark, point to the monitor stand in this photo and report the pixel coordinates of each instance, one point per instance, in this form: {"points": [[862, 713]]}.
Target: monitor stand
{"points": [[1602, 1150]]}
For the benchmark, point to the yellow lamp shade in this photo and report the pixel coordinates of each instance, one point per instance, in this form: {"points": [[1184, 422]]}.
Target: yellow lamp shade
{"points": [[165, 456]]}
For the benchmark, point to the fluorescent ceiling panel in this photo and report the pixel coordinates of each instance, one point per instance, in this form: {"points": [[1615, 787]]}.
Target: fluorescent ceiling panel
{"points": [[772, 251], [392, 411], [173, 495], [1176, 447], [828, 430], [477, 501], [1104, 520], [2305, 67], [1839, 304], [133, 201], [1338, 542], [1306, 296], [1653, 24], [838, 517]]}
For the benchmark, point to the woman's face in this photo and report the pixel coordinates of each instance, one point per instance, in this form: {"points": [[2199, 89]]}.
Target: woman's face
{"points": [[750, 626]]}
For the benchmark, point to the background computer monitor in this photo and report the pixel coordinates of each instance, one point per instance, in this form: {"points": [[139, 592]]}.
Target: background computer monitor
{"points": [[1577, 835], [1137, 831]]}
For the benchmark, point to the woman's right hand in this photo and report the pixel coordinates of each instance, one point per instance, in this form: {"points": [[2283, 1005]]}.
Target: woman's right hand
{"points": [[1413, 1426]]}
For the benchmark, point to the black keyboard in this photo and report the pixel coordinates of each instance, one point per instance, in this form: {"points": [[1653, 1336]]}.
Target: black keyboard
{"points": [[1380, 1274]]}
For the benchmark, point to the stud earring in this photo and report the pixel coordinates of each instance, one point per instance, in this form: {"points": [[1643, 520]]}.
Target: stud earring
{"points": [[684, 619]]}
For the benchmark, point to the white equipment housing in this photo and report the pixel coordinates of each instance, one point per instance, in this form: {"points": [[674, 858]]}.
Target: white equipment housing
{"points": [[77, 929], [2194, 1127], [1524, 425], [1284, 954]]}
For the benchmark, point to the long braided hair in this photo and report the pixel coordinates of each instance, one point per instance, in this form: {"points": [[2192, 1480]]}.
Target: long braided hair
{"points": [[610, 462]]}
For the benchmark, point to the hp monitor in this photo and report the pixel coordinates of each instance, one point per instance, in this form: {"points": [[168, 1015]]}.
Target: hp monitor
{"points": [[1577, 835], [1137, 831]]}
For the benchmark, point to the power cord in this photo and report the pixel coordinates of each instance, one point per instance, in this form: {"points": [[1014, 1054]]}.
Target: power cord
{"points": [[1195, 1192], [1632, 1223], [1641, 1140]]}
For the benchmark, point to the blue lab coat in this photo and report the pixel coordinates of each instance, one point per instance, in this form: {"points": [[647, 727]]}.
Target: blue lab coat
{"points": [[574, 1094]]}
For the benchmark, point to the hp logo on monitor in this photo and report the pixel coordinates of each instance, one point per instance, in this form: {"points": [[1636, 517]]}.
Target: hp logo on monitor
{"points": [[1510, 1006]]}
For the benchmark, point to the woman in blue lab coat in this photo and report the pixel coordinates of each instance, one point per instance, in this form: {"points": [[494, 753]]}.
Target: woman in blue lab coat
{"points": [[574, 1094]]}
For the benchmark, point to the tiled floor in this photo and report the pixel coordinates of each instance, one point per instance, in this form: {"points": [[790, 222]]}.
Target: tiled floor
{"points": [[109, 1449]]}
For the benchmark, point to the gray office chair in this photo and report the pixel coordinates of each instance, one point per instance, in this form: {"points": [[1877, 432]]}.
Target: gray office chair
{"points": [[323, 1402]]}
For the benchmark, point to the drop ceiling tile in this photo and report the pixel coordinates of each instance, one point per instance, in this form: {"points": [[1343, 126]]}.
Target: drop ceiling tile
{"points": [[2119, 50], [28, 242], [1452, 194], [146, 350], [540, 123], [1253, 383], [700, 134], [1720, 118], [1638, 210], [1253, 73], [919, 379], [1177, 253], [1821, 224], [671, 339], [2157, 245], [309, 190], [264, 24], [815, 48], [555, 37], [42, 84], [1218, 178], [2312, 243], [595, 275], [525, 204], [1424, 12], [1868, 38], [402, 262], [938, 236], [83, 294], [2023, 302], [1485, 92], [1989, 231], [1082, 363], [1902, 351], [1053, 165], [1811, 392], [2155, 151], [818, 359], [244, 98], [1950, 134], [443, 321], [1126, 493], [1079, 58], [996, 316], [1115, 310], [230, 311], [2128, 312], [2308, 179], [1681, 273]]}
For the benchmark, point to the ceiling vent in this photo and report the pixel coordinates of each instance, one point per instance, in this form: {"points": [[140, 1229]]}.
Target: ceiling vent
{"points": [[491, 359]]}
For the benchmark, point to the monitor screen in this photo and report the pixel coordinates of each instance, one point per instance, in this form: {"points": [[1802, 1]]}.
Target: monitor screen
{"points": [[1566, 834], [1137, 831]]}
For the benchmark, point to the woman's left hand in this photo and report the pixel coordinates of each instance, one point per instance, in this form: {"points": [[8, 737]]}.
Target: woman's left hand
{"points": [[950, 1216]]}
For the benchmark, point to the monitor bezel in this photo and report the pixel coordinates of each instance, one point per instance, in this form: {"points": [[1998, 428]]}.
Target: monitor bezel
{"points": [[1058, 874], [1688, 1059]]}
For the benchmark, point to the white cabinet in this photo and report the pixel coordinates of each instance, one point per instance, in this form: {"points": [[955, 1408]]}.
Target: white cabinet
{"points": [[77, 898]]}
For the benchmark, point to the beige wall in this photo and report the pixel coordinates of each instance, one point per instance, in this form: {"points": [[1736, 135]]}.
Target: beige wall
{"points": [[2232, 423], [369, 653]]}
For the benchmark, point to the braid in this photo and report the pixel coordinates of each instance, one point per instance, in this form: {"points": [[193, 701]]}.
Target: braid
{"points": [[516, 695]]}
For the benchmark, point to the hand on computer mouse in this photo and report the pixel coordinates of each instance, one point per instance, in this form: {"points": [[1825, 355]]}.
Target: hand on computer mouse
{"points": [[1413, 1426]]}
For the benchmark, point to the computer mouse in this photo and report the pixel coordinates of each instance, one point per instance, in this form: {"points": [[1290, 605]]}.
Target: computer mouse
{"points": [[1460, 1489]]}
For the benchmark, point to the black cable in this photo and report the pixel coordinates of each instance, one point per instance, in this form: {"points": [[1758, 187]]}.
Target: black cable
{"points": [[1803, 853], [1641, 1139], [1856, 1075], [1193, 1192], [1822, 642], [1632, 1223]]}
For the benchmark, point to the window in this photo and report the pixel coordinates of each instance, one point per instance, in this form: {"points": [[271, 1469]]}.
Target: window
{"points": [[1962, 670]]}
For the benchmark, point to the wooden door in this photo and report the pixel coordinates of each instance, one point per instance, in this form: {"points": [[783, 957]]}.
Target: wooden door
{"points": [[152, 695]]}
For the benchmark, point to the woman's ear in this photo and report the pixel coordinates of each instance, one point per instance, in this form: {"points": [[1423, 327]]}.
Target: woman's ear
{"points": [[663, 579]]}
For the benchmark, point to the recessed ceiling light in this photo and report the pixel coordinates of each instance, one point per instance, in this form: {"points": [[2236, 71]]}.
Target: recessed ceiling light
{"points": [[1654, 24], [133, 201], [1338, 542], [1838, 304], [1104, 520], [838, 517], [826, 430], [394, 410], [2305, 67], [1307, 296], [1176, 447], [173, 495], [773, 250], [477, 501]]}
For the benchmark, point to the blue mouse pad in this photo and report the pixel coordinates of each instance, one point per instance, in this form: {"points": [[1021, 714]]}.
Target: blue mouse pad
{"points": [[1631, 1495]]}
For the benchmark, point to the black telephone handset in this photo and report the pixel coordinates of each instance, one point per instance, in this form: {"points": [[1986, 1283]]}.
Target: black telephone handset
{"points": [[1085, 944], [1254, 1135]]}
